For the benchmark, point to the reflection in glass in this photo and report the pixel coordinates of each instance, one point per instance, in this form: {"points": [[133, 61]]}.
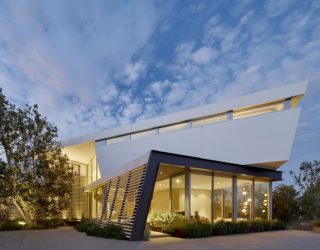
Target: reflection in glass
{"points": [[201, 197], [222, 198], [178, 195], [244, 196], [261, 200]]}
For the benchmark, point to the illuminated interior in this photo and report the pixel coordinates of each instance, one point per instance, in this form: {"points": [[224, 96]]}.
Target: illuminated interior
{"points": [[244, 196], [201, 197], [171, 189], [222, 198], [261, 199]]}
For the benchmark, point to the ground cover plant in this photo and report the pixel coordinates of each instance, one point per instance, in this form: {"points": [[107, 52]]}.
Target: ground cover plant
{"points": [[179, 226], [43, 223], [91, 228]]}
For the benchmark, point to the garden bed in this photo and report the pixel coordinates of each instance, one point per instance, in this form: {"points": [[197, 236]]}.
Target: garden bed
{"points": [[178, 226], [19, 224]]}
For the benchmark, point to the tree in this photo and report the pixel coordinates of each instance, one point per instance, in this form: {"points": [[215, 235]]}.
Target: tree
{"points": [[285, 206], [310, 202], [308, 180], [308, 176], [34, 173]]}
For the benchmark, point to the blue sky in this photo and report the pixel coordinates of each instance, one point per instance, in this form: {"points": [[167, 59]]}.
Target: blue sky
{"points": [[93, 65]]}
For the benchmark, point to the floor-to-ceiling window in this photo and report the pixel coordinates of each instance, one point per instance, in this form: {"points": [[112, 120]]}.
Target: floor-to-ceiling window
{"points": [[178, 194], [222, 205], [161, 197], [244, 196], [261, 200], [201, 197]]}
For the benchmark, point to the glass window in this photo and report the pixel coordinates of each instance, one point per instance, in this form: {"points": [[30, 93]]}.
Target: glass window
{"points": [[209, 120], [201, 197], [178, 195], [244, 196], [118, 139], [222, 198], [161, 197], [173, 127], [257, 110], [261, 200], [143, 134]]}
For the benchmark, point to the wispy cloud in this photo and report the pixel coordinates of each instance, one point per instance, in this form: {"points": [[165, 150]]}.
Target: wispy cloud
{"points": [[95, 65]]}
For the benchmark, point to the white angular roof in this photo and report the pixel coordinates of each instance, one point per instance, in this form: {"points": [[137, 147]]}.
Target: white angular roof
{"points": [[278, 93]]}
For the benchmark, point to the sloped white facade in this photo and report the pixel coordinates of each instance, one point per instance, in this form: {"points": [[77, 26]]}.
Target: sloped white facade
{"points": [[258, 140]]}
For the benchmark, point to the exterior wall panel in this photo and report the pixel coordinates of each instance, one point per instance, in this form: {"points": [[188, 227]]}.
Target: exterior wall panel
{"points": [[251, 140]]}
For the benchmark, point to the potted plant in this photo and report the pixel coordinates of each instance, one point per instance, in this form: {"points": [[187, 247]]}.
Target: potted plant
{"points": [[316, 227]]}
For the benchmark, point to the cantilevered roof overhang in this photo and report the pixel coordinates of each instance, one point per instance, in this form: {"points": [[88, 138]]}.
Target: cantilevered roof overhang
{"points": [[154, 158]]}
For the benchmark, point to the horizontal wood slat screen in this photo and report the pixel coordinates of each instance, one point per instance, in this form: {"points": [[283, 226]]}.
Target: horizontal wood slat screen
{"points": [[120, 199]]}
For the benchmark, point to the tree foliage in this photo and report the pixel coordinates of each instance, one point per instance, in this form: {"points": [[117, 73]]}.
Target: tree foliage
{"points": [[34, 174], [308, 175], [285, 204], [308, 180]]}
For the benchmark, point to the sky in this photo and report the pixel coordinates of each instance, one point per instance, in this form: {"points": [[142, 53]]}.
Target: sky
{"points": [[94, 65]]}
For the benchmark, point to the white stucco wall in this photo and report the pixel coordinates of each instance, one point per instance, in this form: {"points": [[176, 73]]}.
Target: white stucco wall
{"points": [[257, 139]]}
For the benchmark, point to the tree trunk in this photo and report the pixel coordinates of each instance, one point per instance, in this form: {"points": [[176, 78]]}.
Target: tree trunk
{"points": [[21, 211]]}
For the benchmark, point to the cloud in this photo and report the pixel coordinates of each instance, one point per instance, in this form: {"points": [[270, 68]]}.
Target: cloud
{"points": [[96, 65], [54, 53], [275, 8], [133, 71], [204, 55]]}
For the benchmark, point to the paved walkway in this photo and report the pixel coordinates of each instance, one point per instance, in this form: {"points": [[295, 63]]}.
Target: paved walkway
{"points": [[68, 238]]}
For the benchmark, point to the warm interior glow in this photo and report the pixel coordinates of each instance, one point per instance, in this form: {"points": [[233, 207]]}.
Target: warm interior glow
{"points": [[258, 110], [244, 196], [209, 120], [201, 196], [222, 198]]}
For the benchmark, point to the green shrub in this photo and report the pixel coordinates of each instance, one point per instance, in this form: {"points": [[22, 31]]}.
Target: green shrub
{"points": [[260, 226], [198, 229], [94, 230], [83, 225], [220, 228], [49, 223], [243, 227], [11, 225], [111, 231], [278, 225]]}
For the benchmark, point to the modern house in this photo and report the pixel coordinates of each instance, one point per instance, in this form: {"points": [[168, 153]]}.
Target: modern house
{"points": [[217, 161]]}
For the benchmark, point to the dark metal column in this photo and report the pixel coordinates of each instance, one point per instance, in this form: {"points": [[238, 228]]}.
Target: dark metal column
{"points": [[188, 193], [234, 199]]}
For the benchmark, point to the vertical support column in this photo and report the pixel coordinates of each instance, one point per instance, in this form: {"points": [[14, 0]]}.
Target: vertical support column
{"points": [[170, 194], [270, 201], [188, 193], [230, 115], [234, 199], [212, 197], [253, 201]]}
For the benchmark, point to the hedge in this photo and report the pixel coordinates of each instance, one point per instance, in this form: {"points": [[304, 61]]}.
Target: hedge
{"points": [[110, 231]]}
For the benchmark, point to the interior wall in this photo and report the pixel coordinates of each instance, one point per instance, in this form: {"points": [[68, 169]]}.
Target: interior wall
{"points": [[160, 202], [201, 202]]}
